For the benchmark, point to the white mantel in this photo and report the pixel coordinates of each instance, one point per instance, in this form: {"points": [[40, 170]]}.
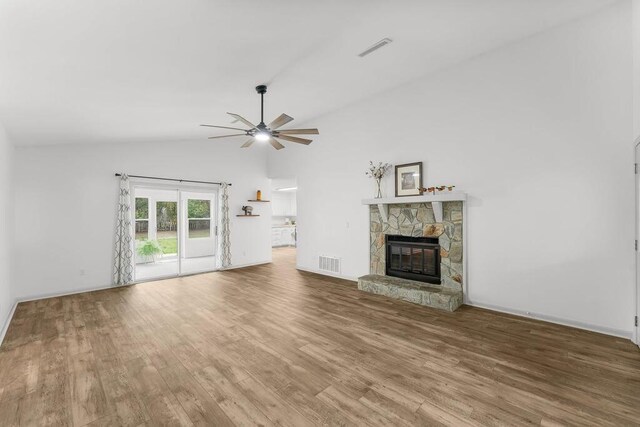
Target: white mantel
{"points": [[435, 200]]}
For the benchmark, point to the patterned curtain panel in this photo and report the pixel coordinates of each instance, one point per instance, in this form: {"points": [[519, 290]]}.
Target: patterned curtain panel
{"points": [[225, 235], [123, 264]]}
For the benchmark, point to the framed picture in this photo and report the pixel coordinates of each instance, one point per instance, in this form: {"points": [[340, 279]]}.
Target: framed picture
{"points": [[408, 179]]}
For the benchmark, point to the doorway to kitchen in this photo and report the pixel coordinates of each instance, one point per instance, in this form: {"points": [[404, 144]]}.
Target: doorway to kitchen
{"points": [[284, 226], [175, 231]]}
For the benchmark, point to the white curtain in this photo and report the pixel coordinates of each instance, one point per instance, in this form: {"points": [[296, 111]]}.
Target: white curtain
{"points": [[225, 234], [123, 264]]}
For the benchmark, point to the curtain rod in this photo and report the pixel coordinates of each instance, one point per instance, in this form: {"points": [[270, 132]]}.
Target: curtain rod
{"points": [[171, 179]]}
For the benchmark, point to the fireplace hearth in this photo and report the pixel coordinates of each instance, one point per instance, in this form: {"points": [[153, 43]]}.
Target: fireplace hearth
{"points": [[413, 258]]}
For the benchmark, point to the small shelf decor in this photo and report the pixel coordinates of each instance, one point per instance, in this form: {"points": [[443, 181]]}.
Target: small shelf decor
{"points": [[248, 211], [258, 198], [378, 172], [408, 179]]}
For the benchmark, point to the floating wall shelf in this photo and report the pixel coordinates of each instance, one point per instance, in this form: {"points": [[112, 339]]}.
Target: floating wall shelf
{"points": [[435, 200], [259, 201], [243, 215]]}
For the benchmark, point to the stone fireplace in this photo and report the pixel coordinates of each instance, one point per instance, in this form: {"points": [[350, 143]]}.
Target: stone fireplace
{"points": [[415, 230]]}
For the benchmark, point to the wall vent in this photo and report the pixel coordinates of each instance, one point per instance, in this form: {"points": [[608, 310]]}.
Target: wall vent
{"points": [[331, 264], [375, 47]]}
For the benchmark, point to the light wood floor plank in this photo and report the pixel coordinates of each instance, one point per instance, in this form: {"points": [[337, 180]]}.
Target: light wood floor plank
{"points": [[270, 345]]}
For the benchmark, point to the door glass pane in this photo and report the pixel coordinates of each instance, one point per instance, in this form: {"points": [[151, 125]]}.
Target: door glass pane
{"points": [[199, 208], [142, 218], [142, 230], [142, 208], [199, 213], [167, 223], [199, 228]]}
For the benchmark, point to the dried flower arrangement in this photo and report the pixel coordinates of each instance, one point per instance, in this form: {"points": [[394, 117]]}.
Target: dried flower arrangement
{"points": [[432, 190], [377, 172]]}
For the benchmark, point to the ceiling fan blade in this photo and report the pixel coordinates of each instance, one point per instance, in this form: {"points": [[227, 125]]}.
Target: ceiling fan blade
{"points": [[275, 144], [282, 120], [299, 131], [242, 119], [224, 136], [223, 127], [295, 139], [248, 143]]}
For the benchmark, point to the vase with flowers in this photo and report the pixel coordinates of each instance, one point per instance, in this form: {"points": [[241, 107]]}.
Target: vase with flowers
{"points": [[377, 172]]}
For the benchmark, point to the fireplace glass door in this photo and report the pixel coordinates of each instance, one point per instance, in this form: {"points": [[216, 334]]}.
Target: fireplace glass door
{"points": [[414, 258]]}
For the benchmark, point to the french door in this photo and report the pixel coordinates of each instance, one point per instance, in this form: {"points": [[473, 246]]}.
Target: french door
{"points": [[175, 231]]}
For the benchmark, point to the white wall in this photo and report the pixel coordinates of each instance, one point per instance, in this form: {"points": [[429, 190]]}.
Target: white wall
{"points": [[65, 199], [6, 235], [538, 133], [636, 67]]}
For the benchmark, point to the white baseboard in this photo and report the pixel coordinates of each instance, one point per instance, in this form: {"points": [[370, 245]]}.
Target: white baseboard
{"points": [[327, 273], [553, 319], [7, 321], [61, 294]]}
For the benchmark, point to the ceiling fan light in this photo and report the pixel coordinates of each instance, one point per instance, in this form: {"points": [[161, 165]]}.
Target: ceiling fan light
{"points": [[262, 136]]}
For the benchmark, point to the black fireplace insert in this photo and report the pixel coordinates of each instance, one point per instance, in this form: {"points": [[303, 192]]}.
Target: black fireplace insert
{"points": [[413, 258]]}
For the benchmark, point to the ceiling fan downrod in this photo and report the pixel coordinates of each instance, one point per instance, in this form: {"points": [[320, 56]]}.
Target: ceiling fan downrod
{"points": [[261, 89]]}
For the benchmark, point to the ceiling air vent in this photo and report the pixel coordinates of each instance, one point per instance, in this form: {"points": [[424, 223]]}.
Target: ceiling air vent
{"points": [[375, 47]]}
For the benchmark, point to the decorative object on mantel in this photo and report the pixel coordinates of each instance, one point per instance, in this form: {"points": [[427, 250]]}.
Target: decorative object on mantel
{"points": [[432, 190], [408, 179], [378, 172], [248, 210], [266, 133]]}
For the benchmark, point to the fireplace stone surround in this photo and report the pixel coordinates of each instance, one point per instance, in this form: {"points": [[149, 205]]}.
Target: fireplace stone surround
{"points": [[418, 220]]}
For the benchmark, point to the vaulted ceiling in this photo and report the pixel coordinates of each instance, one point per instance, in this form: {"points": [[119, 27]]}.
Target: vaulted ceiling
{"points": [[78, 71]]}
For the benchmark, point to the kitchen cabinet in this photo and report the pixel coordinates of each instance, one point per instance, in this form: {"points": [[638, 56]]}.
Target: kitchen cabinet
{"points": [[283, 236], [283, 204]]}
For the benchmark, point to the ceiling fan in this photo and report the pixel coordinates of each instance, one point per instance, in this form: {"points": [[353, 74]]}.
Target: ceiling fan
{"points": [[270, 132]]}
